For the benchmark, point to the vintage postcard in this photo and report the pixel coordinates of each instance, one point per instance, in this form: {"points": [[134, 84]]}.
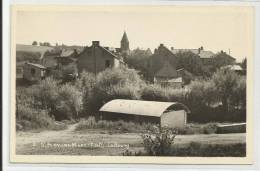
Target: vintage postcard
{"points": [[131, 84]]}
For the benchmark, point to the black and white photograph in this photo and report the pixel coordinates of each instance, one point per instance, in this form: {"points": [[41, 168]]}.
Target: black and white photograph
{"points": [[132, 84]]}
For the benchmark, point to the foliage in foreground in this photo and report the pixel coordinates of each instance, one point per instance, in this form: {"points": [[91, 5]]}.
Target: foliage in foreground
{"points": [[158, 141], [196, 149], [29, 118]]}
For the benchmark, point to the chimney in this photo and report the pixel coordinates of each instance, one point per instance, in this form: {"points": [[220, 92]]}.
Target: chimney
{"points": [[201, 48], [172, 48], [161, 44], [95, 43]]}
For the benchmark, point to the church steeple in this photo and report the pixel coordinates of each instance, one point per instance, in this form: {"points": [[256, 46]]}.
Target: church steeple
{"points": [[124, 43]]}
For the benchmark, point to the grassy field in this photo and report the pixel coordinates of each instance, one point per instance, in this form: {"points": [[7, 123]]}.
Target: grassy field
{"points": [[102, 142], [31, 48]]}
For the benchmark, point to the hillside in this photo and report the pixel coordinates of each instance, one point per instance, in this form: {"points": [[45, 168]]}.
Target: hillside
{"points": [[31, 48]]}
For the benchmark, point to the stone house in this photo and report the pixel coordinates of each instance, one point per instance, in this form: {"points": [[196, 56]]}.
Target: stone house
{"points": [[67, 62], [33, 72], [157, 61], [97, 58], [206, 56], [48, 58]]}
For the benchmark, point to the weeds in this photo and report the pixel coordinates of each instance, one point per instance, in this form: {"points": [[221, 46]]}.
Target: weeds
{"points": [[115, 126]]}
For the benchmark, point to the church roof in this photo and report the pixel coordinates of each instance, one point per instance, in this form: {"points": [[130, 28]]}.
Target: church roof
{"points": [[124, 38]]}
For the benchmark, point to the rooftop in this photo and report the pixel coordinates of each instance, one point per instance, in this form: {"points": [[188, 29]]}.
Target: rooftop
{"points": [[36, 65], [139, 107]]}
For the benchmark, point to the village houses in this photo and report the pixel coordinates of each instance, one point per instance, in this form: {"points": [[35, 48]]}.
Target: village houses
{"points": [[161, 65]]}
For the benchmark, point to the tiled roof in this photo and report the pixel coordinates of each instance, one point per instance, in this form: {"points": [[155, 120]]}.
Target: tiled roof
{"points": [[124, 38], [206, 54], [111, 53], [174, 51], [66, 52], [202, 53], [166, 71]]}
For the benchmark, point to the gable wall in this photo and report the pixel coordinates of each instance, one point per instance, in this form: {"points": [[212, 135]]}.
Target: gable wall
{"points": [[94, 58]]}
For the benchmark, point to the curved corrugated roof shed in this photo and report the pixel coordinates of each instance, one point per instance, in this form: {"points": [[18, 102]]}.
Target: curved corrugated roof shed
{"points": [[139, 107]]}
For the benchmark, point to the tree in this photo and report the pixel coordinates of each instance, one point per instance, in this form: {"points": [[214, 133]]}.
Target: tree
{"points": [[34, 43], [226, 82], [117, 83], [244, 63], [190, 62], [222, 59], [138, 59], [46, 44]]}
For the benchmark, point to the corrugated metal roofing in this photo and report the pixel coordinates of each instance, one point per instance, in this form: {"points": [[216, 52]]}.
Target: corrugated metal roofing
{"points": [[138, 107]]}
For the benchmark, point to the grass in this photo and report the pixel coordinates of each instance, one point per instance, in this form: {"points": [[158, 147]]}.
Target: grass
{"points": [[196, 149], [122, 126], [195, 128], [31, 48], [115, 126]]}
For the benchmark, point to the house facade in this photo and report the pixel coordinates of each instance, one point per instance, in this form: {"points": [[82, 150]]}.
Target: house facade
{"points": [[206, 56], [97, 58], [157, 61], [33, 72], [67, 63]]}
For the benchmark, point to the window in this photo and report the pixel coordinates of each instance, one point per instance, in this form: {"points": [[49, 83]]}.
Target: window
{"points": [[107, 64], [33, 71]]}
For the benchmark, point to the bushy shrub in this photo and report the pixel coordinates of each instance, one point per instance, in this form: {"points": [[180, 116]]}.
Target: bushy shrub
{"points": [[201, 93], [210, 150], [154, 93], [158, 93], [62, 101], [226, 82], [158, 142], [113, 84], [45, 94], [238, 99], [69, 102], [30, 118]]}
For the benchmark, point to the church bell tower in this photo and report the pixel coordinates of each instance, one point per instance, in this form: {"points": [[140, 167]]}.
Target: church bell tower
{"points": [[125, 45]]}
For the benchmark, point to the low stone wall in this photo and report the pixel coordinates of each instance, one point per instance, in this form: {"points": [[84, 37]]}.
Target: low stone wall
{"points": [[231, 128]]}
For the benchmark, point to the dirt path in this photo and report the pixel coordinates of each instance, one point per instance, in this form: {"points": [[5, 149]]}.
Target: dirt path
{"points": [[97, 142]]}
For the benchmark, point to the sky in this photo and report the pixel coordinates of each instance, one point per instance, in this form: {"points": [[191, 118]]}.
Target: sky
{"points": [[214, 28]]}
